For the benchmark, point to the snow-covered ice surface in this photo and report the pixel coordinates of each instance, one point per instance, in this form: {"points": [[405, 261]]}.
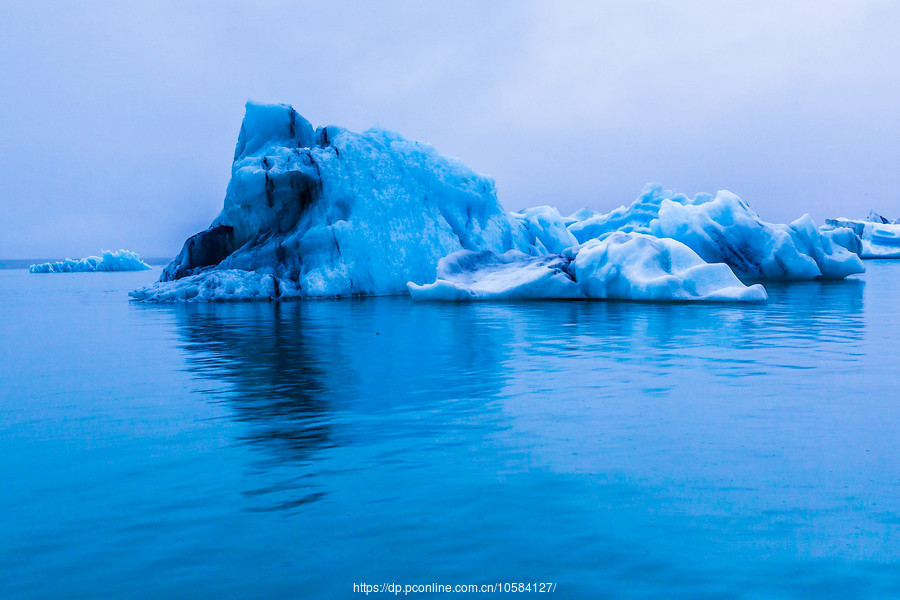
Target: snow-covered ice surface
{"points": [[875, 237], [123, 260], [547, 230], [628, 266], [723, 228], [467, 275], [328, 212]]}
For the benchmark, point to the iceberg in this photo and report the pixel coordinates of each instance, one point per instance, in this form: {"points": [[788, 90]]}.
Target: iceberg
{"points": [[722, 228], [328, 212], [626, 266], [123, 260], [875, 237]]}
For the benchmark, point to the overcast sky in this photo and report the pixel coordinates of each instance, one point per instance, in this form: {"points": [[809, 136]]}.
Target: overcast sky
{"points": [[118, 121]]}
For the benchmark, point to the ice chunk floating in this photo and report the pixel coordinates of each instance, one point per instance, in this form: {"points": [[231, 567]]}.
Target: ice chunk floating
{"points": [[628, 266], [876, 237], [723, 228], [123, 260], [326, 212]]}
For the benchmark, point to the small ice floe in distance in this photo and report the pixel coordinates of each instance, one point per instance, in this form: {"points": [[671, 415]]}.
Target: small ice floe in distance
{"points": [[123, 260]]}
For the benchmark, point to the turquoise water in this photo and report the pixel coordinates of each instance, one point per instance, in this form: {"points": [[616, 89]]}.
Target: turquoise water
{"points": [[621, 450]]}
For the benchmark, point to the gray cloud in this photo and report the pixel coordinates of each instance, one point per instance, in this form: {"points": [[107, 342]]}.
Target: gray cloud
{"points": [[119, 121]]}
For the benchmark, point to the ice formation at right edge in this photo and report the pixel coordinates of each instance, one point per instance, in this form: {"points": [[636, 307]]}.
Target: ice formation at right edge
{"points": [[874, 237], [723, 228]]}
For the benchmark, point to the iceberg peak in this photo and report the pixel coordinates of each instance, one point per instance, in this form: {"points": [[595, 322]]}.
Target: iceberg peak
{"points": [[267, 123]]}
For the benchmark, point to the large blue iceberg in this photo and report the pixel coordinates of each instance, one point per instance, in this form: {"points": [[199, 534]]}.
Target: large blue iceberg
{"points": [[123, 260], [326, 212], [329, 212]]}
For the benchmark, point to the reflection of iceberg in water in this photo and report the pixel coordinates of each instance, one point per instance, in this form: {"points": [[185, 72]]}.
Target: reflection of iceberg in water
{"points": [[298, 373], [815, 310], [276, 376], [616, 434], [291, 366], [662, 336], [710, 411], [306, 380], [646, 347]]}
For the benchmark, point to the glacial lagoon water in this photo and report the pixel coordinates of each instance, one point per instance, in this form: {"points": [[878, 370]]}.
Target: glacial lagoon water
{"points": [[619, 449]]}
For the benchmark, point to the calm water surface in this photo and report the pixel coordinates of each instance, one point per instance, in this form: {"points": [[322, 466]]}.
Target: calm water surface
{"points": [[622, 450]]}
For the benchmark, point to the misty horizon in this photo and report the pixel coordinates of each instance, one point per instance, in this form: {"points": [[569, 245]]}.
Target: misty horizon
{"points": [[120, 122]]}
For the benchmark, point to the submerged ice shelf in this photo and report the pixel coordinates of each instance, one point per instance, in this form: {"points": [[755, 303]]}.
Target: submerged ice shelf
{"points": [[326, 212], [123, 260]]}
